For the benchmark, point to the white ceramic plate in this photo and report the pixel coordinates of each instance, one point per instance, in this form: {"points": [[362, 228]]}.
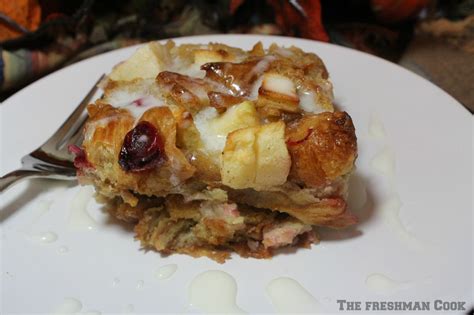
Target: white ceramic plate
{"points": [[414, 242]]}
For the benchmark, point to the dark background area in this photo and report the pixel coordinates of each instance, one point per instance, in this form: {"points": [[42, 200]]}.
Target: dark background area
{"points": [[433, 38]]}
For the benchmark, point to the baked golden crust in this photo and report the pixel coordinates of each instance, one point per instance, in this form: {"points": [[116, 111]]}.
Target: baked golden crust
{"points": [[245, 157], [322, 147], [103, 145]]}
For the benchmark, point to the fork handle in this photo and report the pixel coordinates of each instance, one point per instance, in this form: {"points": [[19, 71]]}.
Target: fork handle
{"points": [[17, 176], [21, 174]]}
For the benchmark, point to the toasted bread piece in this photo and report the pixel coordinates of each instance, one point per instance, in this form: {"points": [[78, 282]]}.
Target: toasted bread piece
{"points": [[322, 147]]}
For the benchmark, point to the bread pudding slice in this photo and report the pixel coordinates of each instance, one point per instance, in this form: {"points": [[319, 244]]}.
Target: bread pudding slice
{"points": [[210, 149]]}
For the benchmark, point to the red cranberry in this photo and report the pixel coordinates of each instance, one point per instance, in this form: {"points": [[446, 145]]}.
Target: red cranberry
{"points": [[80, 159], [138, 102], [142, 148]]}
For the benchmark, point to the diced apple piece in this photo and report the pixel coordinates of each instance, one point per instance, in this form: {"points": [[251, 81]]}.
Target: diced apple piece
{"points": [[279, 84], [238, 159], [273, 159], [279, 92], [242, 115], [144, 63], [256, 157], [214, 130]]}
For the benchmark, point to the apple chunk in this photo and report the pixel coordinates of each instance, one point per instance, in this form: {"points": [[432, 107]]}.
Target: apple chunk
{"points": [[256, 157], [238, 159], [214, 129], [279, 92], [144, 63], [278, 84], [238, 116], [273, 159]]}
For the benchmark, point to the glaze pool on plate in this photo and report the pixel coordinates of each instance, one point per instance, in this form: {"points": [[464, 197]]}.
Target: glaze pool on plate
{"points": [[427, 131]]}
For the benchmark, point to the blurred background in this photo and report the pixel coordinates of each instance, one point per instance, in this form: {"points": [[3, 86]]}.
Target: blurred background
{"points": [[433, 38]]}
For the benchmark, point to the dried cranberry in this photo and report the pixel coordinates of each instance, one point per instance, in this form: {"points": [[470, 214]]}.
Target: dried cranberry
{"points": [[80, 159], [142, 148]]}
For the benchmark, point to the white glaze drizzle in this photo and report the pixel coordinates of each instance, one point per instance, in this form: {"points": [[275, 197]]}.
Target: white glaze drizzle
{"points": [[79, 218], [140, 284], [258, 70], [309, 102], [142, 104], [288, 296], [384, 285], [43, 237], [376, 127], [214, 292], [213, 141], [384, 162], [129, 100], [68, 306], [43, 207], [92, 126], [121, 98], [390, 210], [166, 271], [115, 282], [63, 250], [255, 87]]}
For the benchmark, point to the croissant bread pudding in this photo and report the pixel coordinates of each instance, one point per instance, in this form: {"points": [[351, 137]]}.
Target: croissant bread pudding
{"points": [[210, 149]]}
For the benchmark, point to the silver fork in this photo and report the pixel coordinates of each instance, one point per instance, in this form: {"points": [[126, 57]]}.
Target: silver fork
{"points": [[52, 159]]}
